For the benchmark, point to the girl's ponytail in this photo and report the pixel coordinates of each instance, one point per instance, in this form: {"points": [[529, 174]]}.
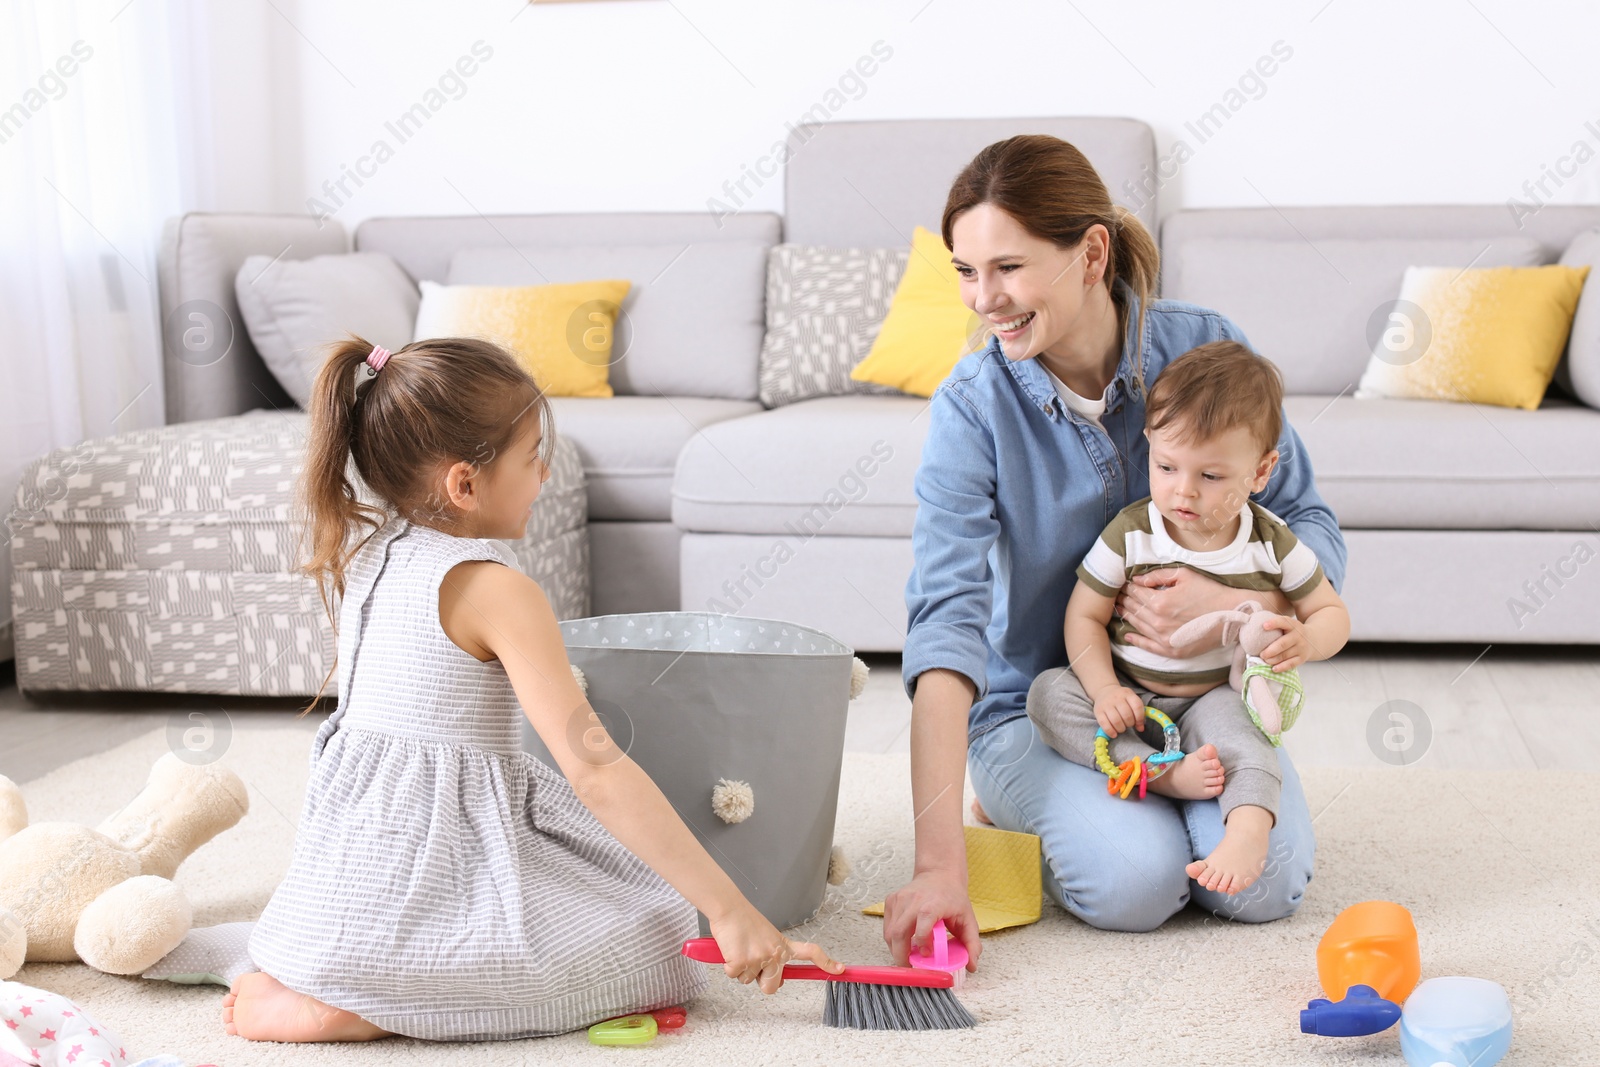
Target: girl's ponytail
{"points": [[330, 504], [330, 513]]}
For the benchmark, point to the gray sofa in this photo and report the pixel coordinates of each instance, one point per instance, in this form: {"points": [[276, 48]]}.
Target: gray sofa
{"points": [[700, 498]]}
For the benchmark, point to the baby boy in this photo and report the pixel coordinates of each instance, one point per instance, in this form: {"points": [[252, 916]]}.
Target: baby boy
{"points": [[1212, 420]]}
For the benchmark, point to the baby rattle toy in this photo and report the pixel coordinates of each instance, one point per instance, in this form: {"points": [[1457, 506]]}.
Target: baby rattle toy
{"points": [[1138, 772]]}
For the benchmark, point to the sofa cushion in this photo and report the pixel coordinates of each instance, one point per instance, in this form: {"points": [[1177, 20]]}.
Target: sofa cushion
{"points": [[629, 444], [1437, 465], [293, 308], [691, 324], [1579, 372], [834, 466], [1380, 464], [1309, 307]]}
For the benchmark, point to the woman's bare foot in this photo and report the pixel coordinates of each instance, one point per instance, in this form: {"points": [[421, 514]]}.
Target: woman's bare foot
{"points": [[1240, 856], [261, 1008], [1198, 776], [979, 814]]}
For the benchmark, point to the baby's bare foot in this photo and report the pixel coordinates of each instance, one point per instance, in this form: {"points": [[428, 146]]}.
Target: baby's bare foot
{"points": [[1237, 861], [261, 1008], [1198, 776], [979, 814]]}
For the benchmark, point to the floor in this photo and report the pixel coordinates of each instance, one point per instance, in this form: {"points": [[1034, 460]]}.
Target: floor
{"points": [[1448, 707]]}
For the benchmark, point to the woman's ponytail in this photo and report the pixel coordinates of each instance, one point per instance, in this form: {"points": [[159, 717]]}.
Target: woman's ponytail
{"points": [[1136, 260]]}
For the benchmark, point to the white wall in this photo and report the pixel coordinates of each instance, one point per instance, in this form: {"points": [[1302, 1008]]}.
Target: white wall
{"points": [[654, 104]]}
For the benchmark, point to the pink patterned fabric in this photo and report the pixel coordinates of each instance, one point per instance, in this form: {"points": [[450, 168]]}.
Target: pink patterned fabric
{"points": [[49, 1030]]}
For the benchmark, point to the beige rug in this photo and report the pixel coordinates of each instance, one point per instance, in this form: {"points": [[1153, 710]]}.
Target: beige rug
{"points": [[1498, 869]]}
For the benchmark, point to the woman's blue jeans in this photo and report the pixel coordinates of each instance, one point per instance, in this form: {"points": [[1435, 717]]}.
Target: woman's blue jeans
{"points": [[1119, 864]]}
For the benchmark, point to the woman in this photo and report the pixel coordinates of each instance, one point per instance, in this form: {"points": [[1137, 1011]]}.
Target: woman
{"points": [[1034, 444]]}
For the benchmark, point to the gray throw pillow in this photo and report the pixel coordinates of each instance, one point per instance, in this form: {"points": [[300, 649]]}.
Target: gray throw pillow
{"points": [[824, 309], [1578, 373], [293, 308]]}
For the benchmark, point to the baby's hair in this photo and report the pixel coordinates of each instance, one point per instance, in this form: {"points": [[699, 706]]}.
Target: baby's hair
{"points": [[435, 403], [1214, 387]]}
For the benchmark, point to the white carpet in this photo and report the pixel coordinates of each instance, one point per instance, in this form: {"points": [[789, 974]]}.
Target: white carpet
{"points": [[1498, 869]]}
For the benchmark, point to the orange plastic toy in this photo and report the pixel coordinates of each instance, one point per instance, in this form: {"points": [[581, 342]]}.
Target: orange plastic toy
{"points": [[1373, 943]]}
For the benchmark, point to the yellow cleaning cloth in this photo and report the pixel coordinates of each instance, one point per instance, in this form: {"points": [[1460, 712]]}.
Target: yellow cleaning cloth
{"points": [[1003, 878]]}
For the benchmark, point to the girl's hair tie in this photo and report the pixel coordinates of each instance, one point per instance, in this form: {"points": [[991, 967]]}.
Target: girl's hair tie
{"points": [[377, 358]]}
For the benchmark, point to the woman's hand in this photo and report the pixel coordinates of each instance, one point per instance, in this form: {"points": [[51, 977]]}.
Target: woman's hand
{"points": [[755, 951], [910, 912], [1158, 602]]}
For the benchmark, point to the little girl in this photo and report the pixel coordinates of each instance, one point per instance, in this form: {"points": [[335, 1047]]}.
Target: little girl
{"points": [[445, 884]]}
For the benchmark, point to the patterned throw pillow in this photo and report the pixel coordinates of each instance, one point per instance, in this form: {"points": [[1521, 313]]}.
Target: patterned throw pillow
{"points": [[824, 308]]}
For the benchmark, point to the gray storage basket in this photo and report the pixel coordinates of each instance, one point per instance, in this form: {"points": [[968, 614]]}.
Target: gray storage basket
{"points": [[695, 697]]}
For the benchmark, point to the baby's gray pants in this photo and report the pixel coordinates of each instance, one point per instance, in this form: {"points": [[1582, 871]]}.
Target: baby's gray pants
{"points": [[1063, 714]]}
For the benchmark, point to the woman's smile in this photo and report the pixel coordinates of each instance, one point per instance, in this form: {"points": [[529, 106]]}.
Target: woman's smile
{"points": [[1011, 329]]}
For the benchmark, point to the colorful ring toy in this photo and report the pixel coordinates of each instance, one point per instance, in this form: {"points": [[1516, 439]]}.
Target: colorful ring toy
{"points": [[628, 1030], [1121, 779]]}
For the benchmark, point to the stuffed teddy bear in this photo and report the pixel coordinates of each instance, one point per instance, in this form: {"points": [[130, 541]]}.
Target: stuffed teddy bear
{"points": [[1274, 699], [105, 895]]}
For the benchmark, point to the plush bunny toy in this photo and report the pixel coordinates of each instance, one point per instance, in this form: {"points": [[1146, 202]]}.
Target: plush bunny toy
{"points": [[1274, 699]]}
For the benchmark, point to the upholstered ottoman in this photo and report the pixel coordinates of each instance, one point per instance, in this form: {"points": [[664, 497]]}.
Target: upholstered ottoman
{"points": [[164, 560]]}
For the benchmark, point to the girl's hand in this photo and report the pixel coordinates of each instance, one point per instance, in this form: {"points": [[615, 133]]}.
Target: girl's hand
{"points": [[1290, 650], [1118, 708], [755, 951]]}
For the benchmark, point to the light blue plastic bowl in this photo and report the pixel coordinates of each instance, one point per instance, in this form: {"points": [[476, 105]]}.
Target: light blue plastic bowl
{"points": [[1463, 1022]]}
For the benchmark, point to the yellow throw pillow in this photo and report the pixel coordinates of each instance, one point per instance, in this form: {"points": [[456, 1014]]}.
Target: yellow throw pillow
{"points": [[562, 334], [928, 328], [1491, 335]]}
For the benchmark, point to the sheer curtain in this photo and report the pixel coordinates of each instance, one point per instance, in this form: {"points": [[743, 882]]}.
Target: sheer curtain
{"points": [[100, 141]]}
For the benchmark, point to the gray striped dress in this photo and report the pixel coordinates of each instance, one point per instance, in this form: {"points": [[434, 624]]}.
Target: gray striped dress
{"points": [[445, 884]]}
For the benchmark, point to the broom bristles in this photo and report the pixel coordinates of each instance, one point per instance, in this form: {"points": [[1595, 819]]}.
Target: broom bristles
{"points": [[863, 1006]]}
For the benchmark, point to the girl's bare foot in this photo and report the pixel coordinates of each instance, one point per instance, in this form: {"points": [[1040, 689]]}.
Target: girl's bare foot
{"points": [[1198, 776], [979, 814], [261, 1008], [1240, 856]]}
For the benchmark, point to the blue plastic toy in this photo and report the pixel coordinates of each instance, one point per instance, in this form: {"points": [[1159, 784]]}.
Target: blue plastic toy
{"points": [[1361, 1012]]}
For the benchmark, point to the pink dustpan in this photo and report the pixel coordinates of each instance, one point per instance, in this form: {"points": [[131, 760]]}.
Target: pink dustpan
{"points": [[946, 957]]}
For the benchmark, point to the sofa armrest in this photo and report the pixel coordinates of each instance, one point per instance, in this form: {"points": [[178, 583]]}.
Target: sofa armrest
{"points": [[210, 367]]}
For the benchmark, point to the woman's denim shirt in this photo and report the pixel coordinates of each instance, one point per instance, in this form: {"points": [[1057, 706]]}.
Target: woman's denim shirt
{"points": [[1014, 488]]}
